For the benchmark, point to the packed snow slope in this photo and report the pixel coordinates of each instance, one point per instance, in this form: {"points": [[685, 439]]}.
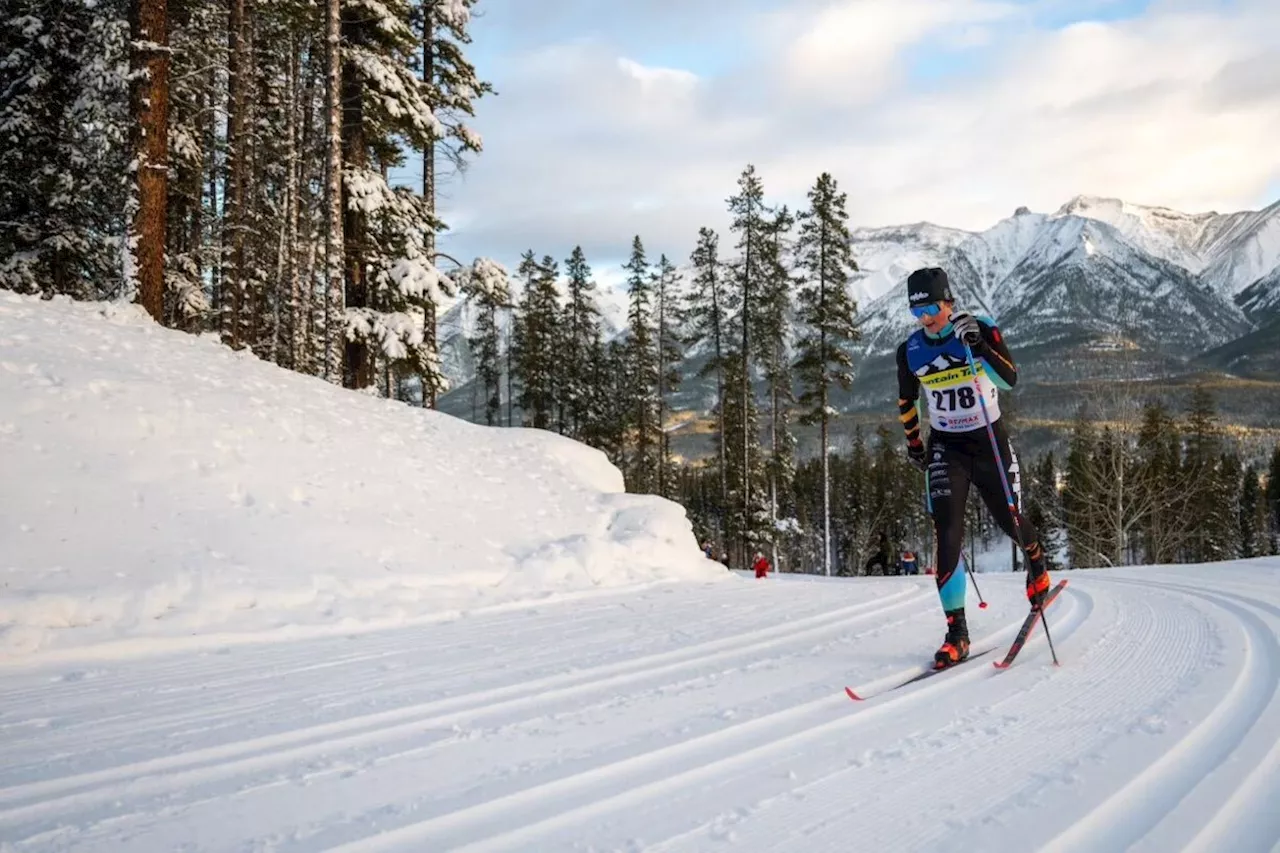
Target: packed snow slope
{"points": [[159, 489], [682, 717]]}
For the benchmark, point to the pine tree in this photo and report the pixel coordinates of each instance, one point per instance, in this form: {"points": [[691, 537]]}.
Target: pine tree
{"points": [[453, 87], [149, 37], [747, 526], [611, 408], [390, 277], [537, 340], [1044, 506], [1223, 517], [669, 353], [1272, 499], [1208, 520], [642, 374], [1082, 496], [751, 224], [772, 337], [1159, 461], [1252, 519], [708, 325], [332, 325], [826, 313], [488, 285], [582, 327], [64, 119], [198, 41]]}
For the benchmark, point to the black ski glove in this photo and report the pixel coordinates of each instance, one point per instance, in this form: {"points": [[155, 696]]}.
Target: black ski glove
{"points": [[966, 328], [915, 455]]}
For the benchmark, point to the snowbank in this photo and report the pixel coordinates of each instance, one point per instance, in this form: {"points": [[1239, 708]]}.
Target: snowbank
{"points": [[158, 489]]}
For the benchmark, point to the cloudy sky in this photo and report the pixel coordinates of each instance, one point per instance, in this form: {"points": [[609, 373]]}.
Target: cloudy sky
{"points": [[623, 117]]}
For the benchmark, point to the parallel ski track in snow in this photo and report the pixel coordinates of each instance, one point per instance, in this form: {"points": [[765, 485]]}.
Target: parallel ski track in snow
{"points": [[159, 775], [699, 761], [1160, 732], [1170, 797]]}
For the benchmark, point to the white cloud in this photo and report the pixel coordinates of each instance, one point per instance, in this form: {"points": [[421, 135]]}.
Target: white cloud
{"points": [[1177, 107], [852, 49]]}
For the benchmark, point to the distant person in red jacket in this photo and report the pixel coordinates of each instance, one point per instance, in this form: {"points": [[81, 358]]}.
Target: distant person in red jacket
{"points": [[761, 566]]}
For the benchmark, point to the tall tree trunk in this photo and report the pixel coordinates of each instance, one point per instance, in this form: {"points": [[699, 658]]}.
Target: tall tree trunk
{"points": [[511, 320], [305, 355], [716, 333], [215, 228], [773, 473], [289, 253], [429, 318], [662, 386], [746, 401], [826, 489], [823, 382], [151, 113], [359, 369], [233, 274], [334, 245]]}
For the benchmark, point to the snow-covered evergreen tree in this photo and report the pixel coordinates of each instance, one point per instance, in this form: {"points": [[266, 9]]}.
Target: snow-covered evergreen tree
{"points": [[64, 121], [827, 317], [582, 330], [1211, 487], [708, 299], [668, 322], [537, 340], [642, 373], [1159, 468], [198, 42], [747, 525], [751, 270], [1272, 499], [487, 284], [453, 88], [772, 336], [1254, 541]]}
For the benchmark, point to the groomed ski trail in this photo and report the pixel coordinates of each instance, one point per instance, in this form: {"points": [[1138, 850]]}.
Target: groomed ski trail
{"points": [[681, 718]]}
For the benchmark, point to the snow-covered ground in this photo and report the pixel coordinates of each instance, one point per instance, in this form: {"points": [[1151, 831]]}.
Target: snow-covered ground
{"points": [[691, 717], [241, 610], [157, 489]]}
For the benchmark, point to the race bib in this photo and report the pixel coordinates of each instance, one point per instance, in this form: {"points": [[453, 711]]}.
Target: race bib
{"points": [[952, 397]]}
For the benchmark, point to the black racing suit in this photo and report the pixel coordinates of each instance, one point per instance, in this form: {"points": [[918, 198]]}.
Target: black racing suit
{"points": [[959, 458]]}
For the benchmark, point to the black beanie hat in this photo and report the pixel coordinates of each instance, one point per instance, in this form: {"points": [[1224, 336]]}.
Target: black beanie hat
{"points": [[927, 286]]}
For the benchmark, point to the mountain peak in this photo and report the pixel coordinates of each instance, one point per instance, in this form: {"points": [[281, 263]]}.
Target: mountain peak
{"points": [[1087, 203]]}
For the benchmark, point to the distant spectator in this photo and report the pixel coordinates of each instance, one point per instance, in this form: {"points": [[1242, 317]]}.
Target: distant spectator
{"points": [[909, 565], [761, 565]]}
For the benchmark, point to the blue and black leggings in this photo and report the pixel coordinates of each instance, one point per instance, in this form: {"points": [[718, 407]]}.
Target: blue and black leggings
{"points": [[955, 461]]}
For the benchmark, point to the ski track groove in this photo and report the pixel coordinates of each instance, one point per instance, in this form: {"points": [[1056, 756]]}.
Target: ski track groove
{"points": [[814, 815], [1127, 818], [809, 808], [727, 756], [201, 765], [817, 807]]}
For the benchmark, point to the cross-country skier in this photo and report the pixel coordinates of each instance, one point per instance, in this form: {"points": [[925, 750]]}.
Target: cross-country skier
{"points": [[959, 450]]}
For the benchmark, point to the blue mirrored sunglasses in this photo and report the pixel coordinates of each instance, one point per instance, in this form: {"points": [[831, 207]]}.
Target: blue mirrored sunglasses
{"points": [[926, 310]]}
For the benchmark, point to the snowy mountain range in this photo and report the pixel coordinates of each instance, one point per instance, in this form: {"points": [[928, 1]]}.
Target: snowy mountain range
{"points": [[1099, 289]]}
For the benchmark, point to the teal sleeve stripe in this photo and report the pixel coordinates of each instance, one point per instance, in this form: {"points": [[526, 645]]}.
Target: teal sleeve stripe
{"points": [[996, 380]]}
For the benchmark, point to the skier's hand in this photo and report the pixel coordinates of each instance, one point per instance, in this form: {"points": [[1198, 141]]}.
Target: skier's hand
{"points": [[915, 455], [965, 326]]}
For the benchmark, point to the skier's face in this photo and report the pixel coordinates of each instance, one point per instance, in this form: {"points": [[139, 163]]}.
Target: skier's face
{"points": [[935, 323]]}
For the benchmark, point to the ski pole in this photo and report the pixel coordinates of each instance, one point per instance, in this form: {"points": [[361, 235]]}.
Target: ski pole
{"points": [[928, 505], [1004, 481]]}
